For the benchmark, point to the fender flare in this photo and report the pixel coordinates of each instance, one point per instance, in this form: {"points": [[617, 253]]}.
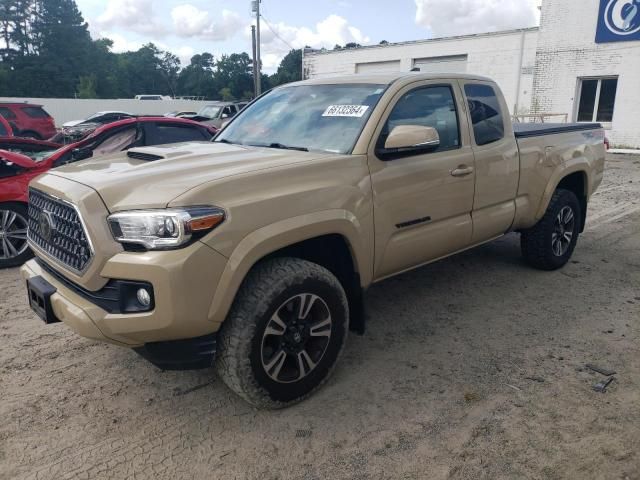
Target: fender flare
{"points": [[578, 164], [273, 237]]}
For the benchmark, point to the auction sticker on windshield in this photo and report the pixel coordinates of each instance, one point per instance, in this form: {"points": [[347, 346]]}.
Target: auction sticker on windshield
{"points": [[345, 111]]}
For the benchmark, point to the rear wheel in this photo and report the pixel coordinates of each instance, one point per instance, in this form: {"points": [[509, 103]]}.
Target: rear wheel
{"points": [[550, 243], [14, 250], [284, 333]]}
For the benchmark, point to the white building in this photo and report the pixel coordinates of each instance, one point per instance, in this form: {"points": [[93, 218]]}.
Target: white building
{"points": [[583, 61]]}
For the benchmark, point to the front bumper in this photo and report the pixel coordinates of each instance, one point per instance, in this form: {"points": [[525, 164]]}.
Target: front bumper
{"points": [[184, 282]]}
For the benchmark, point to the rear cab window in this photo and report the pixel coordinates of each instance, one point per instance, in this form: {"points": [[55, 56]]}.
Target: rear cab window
{"points": [[486, 114]]}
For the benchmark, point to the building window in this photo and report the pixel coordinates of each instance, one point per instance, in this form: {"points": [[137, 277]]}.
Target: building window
{"points": [[597, 99]]}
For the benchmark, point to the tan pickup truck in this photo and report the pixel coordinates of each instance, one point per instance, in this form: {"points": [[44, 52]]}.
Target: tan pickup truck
{"points": [[252, 253]]}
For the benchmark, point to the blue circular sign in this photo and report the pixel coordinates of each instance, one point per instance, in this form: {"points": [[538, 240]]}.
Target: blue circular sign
{"points": [[622, 17]]}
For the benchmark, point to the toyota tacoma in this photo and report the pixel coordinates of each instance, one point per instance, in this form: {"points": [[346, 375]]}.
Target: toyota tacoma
{"points": [[251, 253]]}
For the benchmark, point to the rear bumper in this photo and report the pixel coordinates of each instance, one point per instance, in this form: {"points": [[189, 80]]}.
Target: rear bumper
{"points": [[184, 282]]}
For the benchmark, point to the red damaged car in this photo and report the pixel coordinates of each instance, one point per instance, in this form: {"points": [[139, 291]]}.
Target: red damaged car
{"points": [[23, 159]]}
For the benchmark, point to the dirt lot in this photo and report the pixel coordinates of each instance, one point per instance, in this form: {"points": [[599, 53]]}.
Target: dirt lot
{"points": [[471, 368]]}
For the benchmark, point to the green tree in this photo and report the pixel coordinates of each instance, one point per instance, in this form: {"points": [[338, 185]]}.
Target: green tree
{"points": [[234, 72], [54, 47], [197, 77], [169, 66], [226, 94], [87, 86], [289, 70]]}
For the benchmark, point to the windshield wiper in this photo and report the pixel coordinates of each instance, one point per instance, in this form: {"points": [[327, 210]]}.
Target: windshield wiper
{"points": [[280, 146]]}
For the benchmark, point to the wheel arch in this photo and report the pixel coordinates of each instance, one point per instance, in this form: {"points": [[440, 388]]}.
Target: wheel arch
{"points": [[332, 239], [575, 178], [577, 183]]}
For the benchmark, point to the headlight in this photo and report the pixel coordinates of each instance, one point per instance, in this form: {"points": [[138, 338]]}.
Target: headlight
{"points": [[164, 229]]}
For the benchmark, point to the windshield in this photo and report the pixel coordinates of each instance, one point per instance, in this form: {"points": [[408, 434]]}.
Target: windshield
{"points": [[35, 156], [209, 111], [326, 118]]}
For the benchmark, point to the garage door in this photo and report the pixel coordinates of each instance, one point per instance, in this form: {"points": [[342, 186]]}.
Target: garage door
{"points": [[452, 64], [378, 67]]}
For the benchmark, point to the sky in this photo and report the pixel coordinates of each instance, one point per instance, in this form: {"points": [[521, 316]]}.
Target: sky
{"points": [[187, 27]]}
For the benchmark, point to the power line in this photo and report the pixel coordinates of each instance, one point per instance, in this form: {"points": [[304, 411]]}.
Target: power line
{"points": [[276, 33]]}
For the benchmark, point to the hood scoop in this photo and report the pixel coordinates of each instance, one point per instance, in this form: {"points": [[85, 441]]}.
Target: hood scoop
{"points": [[146, 157]]}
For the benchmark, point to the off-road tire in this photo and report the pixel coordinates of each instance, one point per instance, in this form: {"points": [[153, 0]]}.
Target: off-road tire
{"points": [[536, 242], [267, 285], [22, 211]]}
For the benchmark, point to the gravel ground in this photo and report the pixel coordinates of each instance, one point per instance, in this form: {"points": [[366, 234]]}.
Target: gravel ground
{"points": [[471, 368]]}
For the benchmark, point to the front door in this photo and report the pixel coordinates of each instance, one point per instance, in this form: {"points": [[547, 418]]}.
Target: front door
{"points": [[423, 201]]}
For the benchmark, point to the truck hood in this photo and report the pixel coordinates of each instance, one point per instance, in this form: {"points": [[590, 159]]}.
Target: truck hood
{"points": [[151, 177]]}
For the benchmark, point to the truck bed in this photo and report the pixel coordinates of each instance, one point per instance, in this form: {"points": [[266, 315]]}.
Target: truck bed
{"points": [[523, 130]]}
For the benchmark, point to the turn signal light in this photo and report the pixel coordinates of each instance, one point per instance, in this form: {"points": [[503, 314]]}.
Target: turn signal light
{"points": [[205, 223]]}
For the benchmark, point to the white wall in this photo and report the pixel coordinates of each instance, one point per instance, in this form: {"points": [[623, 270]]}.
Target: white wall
{"points": [[66, 109], [567, 51], [493, 55]]}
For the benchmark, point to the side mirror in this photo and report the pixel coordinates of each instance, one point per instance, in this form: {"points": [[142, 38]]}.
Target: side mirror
{"points": [[225, 115], [81, 153], [408, 140], [412, 137]]}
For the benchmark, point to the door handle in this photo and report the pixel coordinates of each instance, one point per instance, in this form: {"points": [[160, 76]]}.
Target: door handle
{"points": [[462, 171]]}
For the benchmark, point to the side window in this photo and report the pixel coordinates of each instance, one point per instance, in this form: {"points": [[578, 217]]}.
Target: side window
{"points": [[3, 130], [486, 115], [429, 107], [7, 113], [160, 134], [35, 112]]}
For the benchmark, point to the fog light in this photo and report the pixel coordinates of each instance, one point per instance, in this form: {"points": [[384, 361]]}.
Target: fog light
{"points": [[143, 297]]}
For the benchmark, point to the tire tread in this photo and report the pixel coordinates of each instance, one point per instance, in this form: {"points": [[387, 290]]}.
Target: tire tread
{"points": [[534, 242], [232, 362]]}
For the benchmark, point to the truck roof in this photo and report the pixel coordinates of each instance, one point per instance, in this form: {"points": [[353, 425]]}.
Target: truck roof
{"points": [[389, 78]]}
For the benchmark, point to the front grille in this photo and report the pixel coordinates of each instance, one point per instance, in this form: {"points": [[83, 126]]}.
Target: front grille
{"points": [[55, 227]]}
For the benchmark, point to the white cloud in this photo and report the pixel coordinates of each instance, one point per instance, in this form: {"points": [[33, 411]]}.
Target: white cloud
{"points": [[190, 21], [133, 15], [327, 33], [120, 43], [446, 17]]}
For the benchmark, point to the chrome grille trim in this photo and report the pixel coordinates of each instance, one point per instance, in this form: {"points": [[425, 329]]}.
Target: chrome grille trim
{"points": [[69, 244]]}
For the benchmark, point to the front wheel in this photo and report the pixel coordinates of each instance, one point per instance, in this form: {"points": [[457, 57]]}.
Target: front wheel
{"points": [[14, 250], [284, 334], [550, 243]]}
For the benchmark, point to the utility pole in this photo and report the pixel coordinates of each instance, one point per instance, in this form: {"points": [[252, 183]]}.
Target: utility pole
{"points": [[255, 4], [255, 62]]}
